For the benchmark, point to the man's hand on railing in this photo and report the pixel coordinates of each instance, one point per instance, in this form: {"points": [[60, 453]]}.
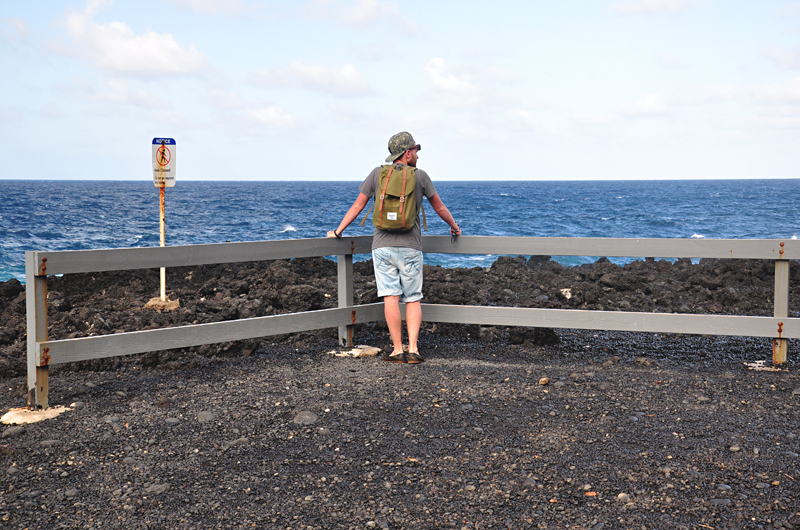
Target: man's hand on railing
{"points": [[454, 233]]}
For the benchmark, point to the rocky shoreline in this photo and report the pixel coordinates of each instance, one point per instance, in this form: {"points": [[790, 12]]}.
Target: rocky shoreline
{"points": [[500, 428], [101, 303]]}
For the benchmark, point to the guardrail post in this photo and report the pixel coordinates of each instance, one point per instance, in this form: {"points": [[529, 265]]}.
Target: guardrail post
{"points": [[779, 346], [36, 304], [344, 264]]}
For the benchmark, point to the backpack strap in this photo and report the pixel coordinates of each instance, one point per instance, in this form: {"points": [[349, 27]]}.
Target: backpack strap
{"points": [[383, 195], [403, 198], [365, 217]]}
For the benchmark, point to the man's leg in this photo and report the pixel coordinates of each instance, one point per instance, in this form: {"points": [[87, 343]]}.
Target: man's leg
{"points": [[411, 284], [413, 322], [387, 278], [391, 310]]}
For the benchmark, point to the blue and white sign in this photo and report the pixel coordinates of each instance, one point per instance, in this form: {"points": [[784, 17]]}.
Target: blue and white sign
{"points": [[164, 150]]}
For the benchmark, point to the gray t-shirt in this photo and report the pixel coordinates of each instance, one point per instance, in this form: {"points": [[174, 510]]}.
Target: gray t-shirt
{"points": [[412, 238]]}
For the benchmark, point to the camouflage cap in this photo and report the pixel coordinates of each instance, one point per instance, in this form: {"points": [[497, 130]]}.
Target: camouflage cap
{"points": [[399, 144]]}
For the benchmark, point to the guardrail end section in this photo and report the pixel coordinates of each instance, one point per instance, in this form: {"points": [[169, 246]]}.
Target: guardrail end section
{"points": [[42, 390], [779, 348], [38, 387]]}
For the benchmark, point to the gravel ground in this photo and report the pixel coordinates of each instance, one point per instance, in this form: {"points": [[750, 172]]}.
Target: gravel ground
{"points": [[631, 431], [500, 428]]}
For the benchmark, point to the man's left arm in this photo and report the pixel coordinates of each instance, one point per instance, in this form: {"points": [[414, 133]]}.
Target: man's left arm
{"points": [[442, 211]]}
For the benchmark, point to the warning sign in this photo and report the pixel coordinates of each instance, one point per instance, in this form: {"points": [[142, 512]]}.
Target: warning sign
{"points": [[164, 162]]}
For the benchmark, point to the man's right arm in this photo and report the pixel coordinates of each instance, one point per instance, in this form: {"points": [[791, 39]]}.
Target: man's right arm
{"points": [[350, 216], [444, 213]]}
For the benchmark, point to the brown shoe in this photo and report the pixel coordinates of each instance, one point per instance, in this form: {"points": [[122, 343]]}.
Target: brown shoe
{"points": [[414, 358], [399, 358]]}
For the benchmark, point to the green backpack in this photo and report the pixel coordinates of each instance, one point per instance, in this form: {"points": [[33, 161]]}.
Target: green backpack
{"points": [[395, 201]]}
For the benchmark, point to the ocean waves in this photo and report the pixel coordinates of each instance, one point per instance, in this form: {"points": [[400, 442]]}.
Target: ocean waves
{"points": [[76, 215]]}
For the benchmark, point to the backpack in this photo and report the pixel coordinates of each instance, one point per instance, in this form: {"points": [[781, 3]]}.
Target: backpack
{"points": [[395, 200]]}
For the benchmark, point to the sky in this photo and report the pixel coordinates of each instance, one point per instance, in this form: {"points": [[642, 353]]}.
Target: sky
{"points": [[313, 89]]}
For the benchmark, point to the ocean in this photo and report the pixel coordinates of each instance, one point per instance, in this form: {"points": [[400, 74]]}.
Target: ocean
{"points": [[78, 215]]}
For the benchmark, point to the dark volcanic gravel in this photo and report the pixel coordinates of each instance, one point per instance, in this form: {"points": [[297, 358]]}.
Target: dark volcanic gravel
{"points": [[631, 431]]}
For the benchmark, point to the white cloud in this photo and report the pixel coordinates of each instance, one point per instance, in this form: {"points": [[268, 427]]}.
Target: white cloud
{"points": [[376, 51], [781, 111], [673, 61], [722, 91], [470, 133], [273, 116], [225, 8], [368, 12], [175, 119], [346, 114], [346, 81], [13, 29], [522, 118], [776, 116], [651, 105], [454, 88], [790, 10], [52, 111], [651, 7], [778, 94], [221, 100], [115, 47], [777, 122], [9, 116], [362, 14], [274, 78], [594, 118], [121, 93], [786, 59], [418, 120]]}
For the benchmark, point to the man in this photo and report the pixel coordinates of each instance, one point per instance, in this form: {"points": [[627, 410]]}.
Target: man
{"points": [[397, 256]]}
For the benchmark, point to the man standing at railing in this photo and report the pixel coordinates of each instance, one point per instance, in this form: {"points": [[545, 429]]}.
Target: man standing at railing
{"points": [[397, 253]]}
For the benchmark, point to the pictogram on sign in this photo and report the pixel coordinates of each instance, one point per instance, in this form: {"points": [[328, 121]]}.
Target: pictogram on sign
{"points": [[163, 156]]}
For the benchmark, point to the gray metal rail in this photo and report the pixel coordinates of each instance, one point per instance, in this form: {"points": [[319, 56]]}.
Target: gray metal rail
{"points": [[43, 352]]}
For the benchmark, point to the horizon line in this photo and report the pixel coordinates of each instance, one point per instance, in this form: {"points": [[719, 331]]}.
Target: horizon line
{"points": [[437, 180]]}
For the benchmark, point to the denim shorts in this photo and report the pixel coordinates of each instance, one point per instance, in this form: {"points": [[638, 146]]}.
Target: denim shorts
{"points": [[398, 272]]}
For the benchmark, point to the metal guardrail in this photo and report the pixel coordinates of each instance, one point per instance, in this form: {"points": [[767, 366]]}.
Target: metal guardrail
{"points": [[43, 353]]}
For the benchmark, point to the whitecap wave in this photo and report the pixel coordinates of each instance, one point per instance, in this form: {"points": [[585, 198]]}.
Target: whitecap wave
{"points": [[698, 236], [288, 228], [794, 237]]}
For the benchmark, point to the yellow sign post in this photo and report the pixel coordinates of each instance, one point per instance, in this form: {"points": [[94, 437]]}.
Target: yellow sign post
{"points": [[164, 151]]}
